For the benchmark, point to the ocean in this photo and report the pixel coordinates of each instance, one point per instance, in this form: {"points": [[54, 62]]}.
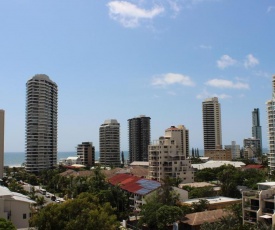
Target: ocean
{"points": [[16, 159]]}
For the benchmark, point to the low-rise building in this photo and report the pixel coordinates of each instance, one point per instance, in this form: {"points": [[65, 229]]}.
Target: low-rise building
{"points": [[137, 188], [215, 202], [216, 164], [193, 221], [15, 207], [218, 154], [259, 205], [70, 161], [140, 188]]}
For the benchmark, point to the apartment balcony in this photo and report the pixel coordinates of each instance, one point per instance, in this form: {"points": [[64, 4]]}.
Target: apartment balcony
{"points": [[252, 208], [166, 169], [251, 220], [251, 194]]}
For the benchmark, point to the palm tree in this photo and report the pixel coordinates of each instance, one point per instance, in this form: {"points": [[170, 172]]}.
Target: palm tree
{"points": [[40, 201]]}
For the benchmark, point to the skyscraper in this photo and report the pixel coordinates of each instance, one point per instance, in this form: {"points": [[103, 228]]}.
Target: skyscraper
{"points": [[41, 123], [270, 126], [109, 143], [86, 152], [139, 138], [256, 127], [168, 156], [212, 133], [2, 134]]}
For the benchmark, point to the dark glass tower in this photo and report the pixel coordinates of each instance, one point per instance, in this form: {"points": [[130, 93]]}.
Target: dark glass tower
{"points": [[139, 138], [256, 127]]}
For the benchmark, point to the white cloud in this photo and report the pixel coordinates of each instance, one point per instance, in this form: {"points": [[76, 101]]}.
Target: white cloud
{"points": [[250, 61], [171, 93], [263, 74], [206, 94], [175, 6], [129, 14], [225, 61], [207, 47], [171, 79], [270, 8], [221, 83]]}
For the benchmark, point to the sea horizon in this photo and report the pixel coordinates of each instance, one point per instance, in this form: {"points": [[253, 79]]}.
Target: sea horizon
{"points": [[16, 159]]}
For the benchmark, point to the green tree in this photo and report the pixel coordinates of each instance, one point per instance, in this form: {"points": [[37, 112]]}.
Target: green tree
{"points": [[167, 215], [200, 206], [85, 212], [165, 196], [194, 192], [40, 201], [6, 225]]}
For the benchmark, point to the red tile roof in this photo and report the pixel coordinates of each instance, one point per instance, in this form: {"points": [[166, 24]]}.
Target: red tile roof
{"points": [[253, 166], [134, 184]]}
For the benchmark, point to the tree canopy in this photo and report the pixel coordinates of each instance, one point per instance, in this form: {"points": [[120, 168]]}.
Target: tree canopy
{"points": [[84, 212]]}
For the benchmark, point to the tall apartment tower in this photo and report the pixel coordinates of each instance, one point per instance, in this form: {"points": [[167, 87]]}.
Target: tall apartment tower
{"points": [[168, 156], [139, 138], [41, 123], [109, 143], [86, 152], [212, 132], [256, 127], [2, 134], [270, 127]]}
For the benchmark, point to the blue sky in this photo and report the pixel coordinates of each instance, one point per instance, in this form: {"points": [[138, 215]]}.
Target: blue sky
{"points": [[121, 59]]}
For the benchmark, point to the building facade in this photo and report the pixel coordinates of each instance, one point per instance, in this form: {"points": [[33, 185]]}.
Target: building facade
{"points": [[259, 205], [270, 127], [86, 152], [109, 143], [15, 207], [218, 154], [212, 132], [235, 150], [139, 131], [252, 146], [41, 123], [168, 156], [2, 134]]}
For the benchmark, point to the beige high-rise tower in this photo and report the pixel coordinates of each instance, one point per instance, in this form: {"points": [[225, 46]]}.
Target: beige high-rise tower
{"points": [[2, 131], [212, 131], [168, 156]]}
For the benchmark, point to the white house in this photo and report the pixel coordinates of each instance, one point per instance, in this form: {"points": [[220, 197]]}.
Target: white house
{"points": [[15, 207]]}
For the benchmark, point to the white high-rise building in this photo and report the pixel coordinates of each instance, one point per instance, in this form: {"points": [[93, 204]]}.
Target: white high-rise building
{"points": [[235, 149], [168, 156], [2, 134], [41, 123], [109, 143], [271, 127], [212, 131]]}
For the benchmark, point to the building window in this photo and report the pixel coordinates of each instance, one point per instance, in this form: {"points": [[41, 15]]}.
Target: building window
{"points": [[24, 216]]}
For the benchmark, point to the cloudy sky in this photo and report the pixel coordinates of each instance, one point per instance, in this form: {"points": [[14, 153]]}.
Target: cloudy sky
{"points": [[121, 59]]}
